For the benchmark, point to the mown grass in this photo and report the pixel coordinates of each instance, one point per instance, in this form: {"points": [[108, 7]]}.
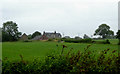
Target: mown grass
{"points": [[39, 49]]}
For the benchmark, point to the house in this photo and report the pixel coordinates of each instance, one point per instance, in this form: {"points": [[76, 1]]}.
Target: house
{"points": [[24, 37], [41, 37], [48, 35], [44, 37], [52, 35]]}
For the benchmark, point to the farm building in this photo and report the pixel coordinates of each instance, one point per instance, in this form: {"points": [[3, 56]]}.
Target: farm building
{"points": [[48, 35], [43, 37], [52, 35], [24, 37]]}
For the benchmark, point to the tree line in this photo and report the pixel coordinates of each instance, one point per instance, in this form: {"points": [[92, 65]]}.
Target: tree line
{"points": [[10, 32]]}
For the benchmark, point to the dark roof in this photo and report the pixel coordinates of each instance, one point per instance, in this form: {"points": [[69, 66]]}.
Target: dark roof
{"points": [[53, 33], [48, 33], [37, 37]]}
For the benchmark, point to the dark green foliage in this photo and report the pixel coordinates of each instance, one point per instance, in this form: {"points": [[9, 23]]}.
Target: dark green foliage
{"points": [[104, 31], [5, 36], [107, 42], [77, 37], [10, 31], [78, 41], [35, 34], [80, 62], [29, 36], [118, 36]]}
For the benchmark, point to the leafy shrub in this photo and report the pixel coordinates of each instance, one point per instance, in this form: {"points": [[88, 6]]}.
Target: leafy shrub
{"points": [[107, 41]]}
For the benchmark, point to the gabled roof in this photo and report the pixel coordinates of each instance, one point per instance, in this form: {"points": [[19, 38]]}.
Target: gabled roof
{"points": [[24, 35], [49, 33]]}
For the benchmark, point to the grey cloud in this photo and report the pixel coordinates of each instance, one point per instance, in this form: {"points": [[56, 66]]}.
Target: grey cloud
{"points": [[70, 18]]}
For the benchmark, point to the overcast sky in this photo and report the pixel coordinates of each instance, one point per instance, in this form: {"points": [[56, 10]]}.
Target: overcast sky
{"points": [[69, 17]]}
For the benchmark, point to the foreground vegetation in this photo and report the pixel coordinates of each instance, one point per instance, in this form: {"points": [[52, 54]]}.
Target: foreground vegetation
{"points": [[80, 62], [52, 57]]}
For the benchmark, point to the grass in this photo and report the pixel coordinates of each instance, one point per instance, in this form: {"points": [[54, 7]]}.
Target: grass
{"points": [[112, 41], [39, 49]]}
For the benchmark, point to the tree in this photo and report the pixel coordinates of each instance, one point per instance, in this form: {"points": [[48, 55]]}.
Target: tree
{"points": [[104, 31], [10, 31], [29, 36], [36, 34], [118, 36], [77, 37]]}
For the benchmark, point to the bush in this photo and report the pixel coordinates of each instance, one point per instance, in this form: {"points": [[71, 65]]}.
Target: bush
{"points": [[107, 42]]}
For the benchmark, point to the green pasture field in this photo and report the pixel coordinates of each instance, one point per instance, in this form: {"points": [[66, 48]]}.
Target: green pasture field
{"points": [[112, 41], [38, 49]]}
